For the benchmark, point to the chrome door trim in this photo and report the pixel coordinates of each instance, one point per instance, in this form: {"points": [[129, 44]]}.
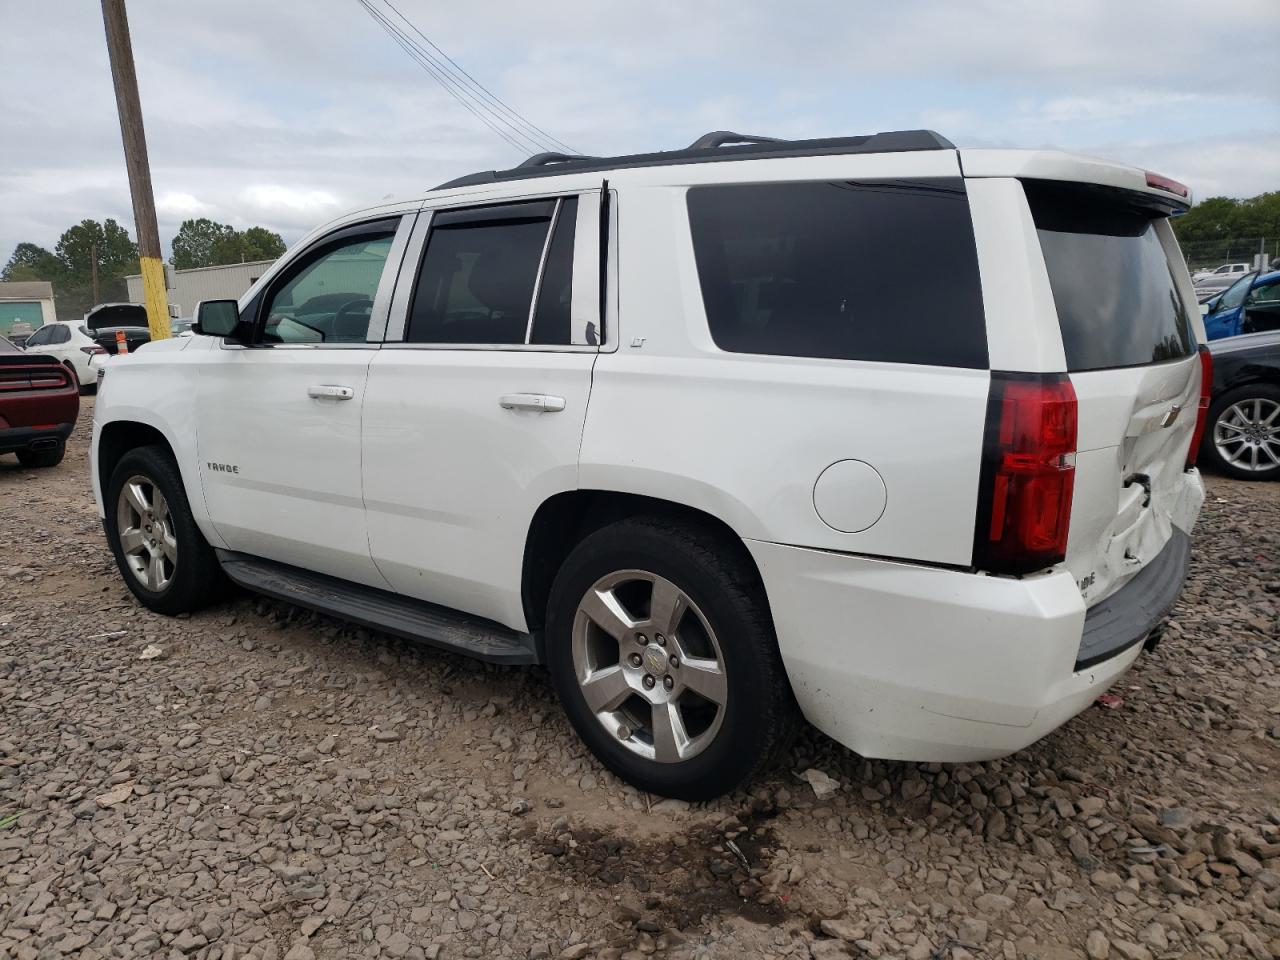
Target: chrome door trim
{"points": [[398, 311], [542, 267], [511, 347], [381, 310]]}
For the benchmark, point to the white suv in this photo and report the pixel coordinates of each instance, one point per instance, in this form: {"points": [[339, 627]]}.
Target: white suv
{"points": [[874, 431]]}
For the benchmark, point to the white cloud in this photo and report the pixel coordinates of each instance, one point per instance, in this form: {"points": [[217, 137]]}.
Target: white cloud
{"points": [[271, 114], [183, 205]]}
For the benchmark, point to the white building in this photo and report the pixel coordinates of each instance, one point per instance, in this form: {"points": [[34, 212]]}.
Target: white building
{"points": [[25, 306], [189, 287]]}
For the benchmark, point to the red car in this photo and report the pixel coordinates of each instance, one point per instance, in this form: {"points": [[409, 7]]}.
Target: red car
{"points": [[39, 402]]}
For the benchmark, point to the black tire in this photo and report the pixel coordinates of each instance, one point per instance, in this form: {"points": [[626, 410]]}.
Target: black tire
{"points": [[760, 716], [1220, 410], [197, 579], [47, 457]]}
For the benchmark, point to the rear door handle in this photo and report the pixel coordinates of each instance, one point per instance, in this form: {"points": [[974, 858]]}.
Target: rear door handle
{"points": [[541, 402], [328, 391]]}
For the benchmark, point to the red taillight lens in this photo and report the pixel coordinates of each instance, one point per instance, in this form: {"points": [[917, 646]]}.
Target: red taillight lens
{"points": [[92, 350], [1028, 473], [1202, 413], [1166, 184]]}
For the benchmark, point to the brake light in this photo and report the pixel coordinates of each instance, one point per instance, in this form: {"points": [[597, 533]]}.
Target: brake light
{"points": [[92, 350], [1166, 184], [1028, 473], [1202, 412]]}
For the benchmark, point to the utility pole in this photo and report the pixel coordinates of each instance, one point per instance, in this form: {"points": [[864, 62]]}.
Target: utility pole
{"points": [[93, 271], [135, 157]]}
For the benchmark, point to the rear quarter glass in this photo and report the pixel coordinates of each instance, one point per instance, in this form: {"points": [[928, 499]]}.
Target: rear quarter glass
{"points": [[849, 270], [1113, 286]]}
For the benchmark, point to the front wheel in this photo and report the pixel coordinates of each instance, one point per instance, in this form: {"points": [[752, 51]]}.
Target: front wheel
{"points": [[662, 651], [163, 557], [1243, 435]]}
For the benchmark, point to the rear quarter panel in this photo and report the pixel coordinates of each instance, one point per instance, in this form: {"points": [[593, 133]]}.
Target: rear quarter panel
{"points": [[745, 437]]}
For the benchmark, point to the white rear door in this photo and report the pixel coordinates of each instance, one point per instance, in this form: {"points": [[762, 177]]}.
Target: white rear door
{"points": [[475, 406]]}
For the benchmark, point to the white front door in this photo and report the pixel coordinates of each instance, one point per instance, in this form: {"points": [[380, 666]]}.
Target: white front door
{"points": [[278, 420], [475, 406]]}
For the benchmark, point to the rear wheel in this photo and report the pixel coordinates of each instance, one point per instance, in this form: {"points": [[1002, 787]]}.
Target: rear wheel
{"points": [[163, 557], [662, 651], [1243, 435], [44, 457]]}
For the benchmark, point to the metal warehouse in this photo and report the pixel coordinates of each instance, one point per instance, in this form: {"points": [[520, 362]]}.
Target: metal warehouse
{"points": [[189, 287]]}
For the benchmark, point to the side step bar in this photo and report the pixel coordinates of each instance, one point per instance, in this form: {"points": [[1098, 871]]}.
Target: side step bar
{"points": [[381, 610]]}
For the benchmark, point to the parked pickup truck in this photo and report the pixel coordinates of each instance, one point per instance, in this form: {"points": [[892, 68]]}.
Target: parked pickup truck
{"points": [[693, 430]]}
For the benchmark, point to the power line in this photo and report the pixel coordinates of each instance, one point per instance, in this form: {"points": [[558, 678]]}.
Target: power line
{"points": [[482, 89], [517, 131], [406, 44]]}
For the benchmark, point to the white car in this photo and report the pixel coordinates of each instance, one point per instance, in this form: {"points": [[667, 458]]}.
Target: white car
{"points": [[1234, 271], [72, 343], [874, 431], [1208, 283]]}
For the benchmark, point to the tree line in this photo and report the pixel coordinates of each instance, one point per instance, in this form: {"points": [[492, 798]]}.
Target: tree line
{"points": [[107, 246], [1222, 218]]}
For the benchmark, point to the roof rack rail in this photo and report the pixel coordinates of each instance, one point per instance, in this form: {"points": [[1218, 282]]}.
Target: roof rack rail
{"points": [[718, 138], [550, 157], [719, 145]]}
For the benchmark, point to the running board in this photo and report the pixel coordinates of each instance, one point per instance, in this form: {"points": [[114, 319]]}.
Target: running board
{"points": [[381, 610]]}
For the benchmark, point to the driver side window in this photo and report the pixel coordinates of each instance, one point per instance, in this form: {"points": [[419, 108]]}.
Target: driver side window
{"points": [[329, 298]]}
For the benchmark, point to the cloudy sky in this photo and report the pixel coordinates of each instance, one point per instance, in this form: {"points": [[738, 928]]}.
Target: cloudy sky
{"points": [[283, 114]]}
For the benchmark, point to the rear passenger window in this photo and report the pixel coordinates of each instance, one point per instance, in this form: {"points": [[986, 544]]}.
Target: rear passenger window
{"points": [[851, 271], [1113, 283], [497, 275]]}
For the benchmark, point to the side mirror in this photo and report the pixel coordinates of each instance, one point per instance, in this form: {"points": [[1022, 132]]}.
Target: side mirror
{"points": [[219, 318]]}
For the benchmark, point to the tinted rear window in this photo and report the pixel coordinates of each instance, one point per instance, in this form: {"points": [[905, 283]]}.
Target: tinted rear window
{"points": [[851, 271], [1117, 302]]}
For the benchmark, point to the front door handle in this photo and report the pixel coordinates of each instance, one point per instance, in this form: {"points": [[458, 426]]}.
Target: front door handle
{"points": [[328, 391], [541, 402]]}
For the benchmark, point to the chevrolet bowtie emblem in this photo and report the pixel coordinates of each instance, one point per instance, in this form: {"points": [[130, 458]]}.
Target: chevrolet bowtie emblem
{"points": [[1171, 416]]}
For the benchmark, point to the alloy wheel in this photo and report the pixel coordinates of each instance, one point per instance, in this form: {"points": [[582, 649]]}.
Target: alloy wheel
{"points": [[1247, 434], [649, 666], [145, 529]]}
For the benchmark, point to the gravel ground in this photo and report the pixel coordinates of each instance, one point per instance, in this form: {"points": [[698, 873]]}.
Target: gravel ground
{"points": [[274, 784]]}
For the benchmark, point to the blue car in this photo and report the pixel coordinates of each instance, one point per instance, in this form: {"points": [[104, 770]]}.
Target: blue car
{"points": [[1250, 305]]}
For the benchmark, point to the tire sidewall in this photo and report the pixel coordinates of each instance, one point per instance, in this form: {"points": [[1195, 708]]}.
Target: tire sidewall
{"points": [[160, 470], [1266, 391], [729, 758]]}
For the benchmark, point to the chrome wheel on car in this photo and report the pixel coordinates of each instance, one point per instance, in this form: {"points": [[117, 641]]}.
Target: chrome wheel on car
{"points": [[1247, 434], [145, 528], [649, 666]]}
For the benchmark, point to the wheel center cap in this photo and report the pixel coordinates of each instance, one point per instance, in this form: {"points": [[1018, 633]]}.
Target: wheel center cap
{"points": [[655, 660]]}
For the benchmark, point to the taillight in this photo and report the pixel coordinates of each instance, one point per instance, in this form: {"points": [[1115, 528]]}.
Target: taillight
{"points": [[1202, 413], [1167, 184], [92, 350], [1028, 473]]}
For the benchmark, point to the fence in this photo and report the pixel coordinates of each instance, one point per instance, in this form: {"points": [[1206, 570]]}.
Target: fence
{"points": [[1201, 254]]}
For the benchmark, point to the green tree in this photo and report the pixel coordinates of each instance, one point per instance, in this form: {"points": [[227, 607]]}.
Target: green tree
{"points": [[196, 241], [117, 253], [259, 243], [207, 243], [31, 262]]}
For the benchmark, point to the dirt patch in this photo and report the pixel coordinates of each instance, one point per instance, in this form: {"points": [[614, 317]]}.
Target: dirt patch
{"points": [[675, 882]]}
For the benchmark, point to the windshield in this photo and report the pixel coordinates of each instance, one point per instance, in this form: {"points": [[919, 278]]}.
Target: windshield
{"points": [[1235, 294]]}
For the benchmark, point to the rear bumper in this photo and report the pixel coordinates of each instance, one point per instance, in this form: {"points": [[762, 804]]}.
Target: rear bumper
{"points": [[919, 663], [14, 439], [1127, 616]]}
